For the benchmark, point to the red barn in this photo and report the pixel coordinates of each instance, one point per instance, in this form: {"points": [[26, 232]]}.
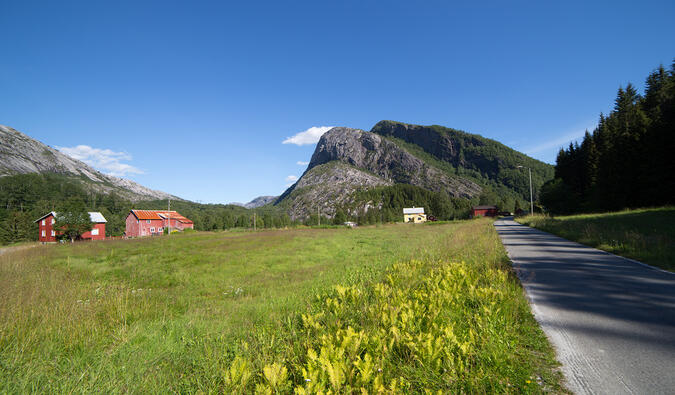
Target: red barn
{"points": [[152, 222], [484, 211], [47, 233]]}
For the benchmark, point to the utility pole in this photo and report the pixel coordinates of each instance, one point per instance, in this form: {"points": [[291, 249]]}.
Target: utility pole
{"points": [[168, 215], [531, 201], [318, 214], [254, 220]]}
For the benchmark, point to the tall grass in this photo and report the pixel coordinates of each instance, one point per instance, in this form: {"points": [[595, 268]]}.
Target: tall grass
{"points": [[647, 235], [272, 311]]}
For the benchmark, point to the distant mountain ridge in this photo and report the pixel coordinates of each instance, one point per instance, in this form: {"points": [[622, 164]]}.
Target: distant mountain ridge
{"points": [[21, 154], [260, 201], [434, 158]]}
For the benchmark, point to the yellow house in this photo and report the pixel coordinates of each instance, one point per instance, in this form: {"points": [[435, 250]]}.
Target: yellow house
{"points": [[415, 215]]}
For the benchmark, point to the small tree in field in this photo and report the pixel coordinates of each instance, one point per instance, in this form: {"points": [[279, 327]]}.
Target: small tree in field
{"points": [[74, 221]]}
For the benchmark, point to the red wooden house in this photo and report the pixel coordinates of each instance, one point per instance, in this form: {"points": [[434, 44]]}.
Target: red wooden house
{"points": [[484, 211], [152, 222], [47, 233]]}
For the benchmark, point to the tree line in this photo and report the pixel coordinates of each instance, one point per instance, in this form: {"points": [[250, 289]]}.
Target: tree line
{"points": [[626, 162], [26, 197]]}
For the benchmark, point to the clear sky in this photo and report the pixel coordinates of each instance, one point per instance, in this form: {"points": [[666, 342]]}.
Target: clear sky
{"points": [[196, 98]]}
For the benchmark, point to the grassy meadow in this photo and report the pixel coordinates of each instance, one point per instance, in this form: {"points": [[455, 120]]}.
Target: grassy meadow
{"points": [[397, 308], [647, 235]]}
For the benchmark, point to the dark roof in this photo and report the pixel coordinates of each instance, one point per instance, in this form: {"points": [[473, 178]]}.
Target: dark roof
{"points": [[484, 207]]}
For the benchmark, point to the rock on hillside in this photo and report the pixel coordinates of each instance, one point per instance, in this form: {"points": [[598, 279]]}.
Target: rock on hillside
{"points": [[21, 154], [490, 158], [260, 201], [370, 152], [347, 159], [325, 187]]}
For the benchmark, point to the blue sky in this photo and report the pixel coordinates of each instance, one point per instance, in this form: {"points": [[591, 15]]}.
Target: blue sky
{"points": [[197, 98]]}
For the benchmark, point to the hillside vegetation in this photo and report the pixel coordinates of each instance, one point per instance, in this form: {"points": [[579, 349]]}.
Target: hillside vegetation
{"points": [[647, 235], [397, 308], [484, 161]]}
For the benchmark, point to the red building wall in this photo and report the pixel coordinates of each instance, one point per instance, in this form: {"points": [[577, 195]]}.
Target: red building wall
{"points": [[143, 227], [485, 212], [45, 228], [131, 229], [99, 236], [146, 227]]}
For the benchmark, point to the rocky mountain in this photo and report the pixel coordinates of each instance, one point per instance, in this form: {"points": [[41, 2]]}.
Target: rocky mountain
{"points": [[20, 154], [260, 201], [436, 159], [470, 155]]}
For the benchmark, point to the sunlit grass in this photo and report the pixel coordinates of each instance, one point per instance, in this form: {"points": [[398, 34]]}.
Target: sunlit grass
{"points": [[223, 312], [647, 235]]}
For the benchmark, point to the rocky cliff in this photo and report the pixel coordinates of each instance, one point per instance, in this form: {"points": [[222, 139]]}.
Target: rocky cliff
{"points": [[483, 157], [441, 160], [20, 154], [347, 159], [370, 152]]}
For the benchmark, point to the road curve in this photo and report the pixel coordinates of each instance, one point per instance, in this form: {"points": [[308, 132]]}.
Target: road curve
{"points": [[611, 321]]}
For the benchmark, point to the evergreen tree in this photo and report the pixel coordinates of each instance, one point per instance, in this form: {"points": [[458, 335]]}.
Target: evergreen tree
{"points": [[339, 217], [626, 161]]}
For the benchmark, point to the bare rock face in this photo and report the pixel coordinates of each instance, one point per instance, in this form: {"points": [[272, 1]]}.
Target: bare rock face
{"points": [[373, 153], [326, 186], [20, 154], [437, 144], [260, 201], [346, 160]]}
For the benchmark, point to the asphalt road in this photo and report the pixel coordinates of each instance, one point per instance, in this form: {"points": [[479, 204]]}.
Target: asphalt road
{"points": [[611, 321]]}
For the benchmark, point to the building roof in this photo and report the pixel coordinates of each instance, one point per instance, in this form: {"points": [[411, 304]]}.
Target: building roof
{"points": [[484, 207], [94, 216], [413, 210], [97, 217], [45, 216], [174, 215], [160, 214]]}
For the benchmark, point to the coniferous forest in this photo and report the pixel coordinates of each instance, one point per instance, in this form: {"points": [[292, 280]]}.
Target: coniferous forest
{"points": [[627, 161]]}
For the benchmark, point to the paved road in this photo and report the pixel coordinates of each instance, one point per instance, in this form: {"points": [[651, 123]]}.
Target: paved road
{"points": [[611, 321]]}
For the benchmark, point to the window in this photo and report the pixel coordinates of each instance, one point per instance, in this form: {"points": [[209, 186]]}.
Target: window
{"points": [[159, 230], [53, 220], [44, 233], [147, 221], [53, 233], [43, 222], [94, 232], [152, 230]]}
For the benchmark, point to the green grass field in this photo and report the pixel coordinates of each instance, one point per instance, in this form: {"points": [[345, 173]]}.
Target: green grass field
{"points": [[647, 235], [397, 308]]}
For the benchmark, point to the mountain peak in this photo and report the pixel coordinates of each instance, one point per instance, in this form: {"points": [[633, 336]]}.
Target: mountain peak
{"points": [[22, 154], [260, 201]]}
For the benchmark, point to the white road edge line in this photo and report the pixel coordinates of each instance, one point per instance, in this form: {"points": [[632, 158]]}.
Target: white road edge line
{"points": [[603, 251]]}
